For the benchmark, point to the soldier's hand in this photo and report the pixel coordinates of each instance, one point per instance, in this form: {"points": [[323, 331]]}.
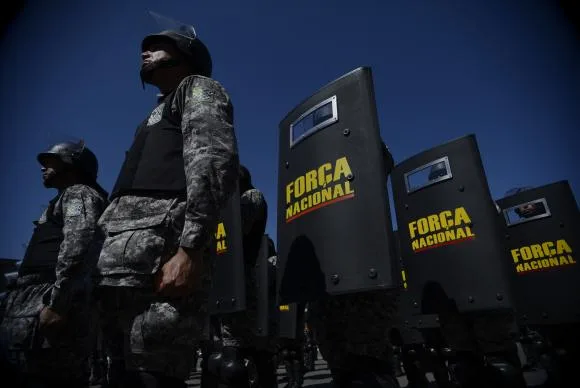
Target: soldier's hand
{"points": [[179, 276], [50, 321]]}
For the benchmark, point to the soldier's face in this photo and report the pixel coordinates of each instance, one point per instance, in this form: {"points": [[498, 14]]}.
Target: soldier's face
{"points": [[157, 54], [51, 172], [529, 210]]}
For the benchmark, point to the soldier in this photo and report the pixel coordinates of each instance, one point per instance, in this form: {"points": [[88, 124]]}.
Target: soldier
{"points": [[483, 342], [310, 348], [179, 172], [53, 286], [238, 329], [292, 351], [557, 344], [334, 228], [352, 330]]}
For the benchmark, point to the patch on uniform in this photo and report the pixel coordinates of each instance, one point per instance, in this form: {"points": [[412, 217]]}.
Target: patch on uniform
{"points": [[74, 209], [200, 94], [155, 116]]}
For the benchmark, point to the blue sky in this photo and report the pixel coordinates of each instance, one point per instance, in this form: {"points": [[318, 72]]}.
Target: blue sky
{"points": [[506, 71]]}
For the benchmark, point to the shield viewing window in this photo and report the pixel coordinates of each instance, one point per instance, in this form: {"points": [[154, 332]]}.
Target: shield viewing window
{"points": [[428, 174], [528, 211], [314, 119]]}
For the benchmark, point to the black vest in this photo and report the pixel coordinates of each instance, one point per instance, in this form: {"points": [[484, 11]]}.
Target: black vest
{"points": [[41, 254], [154, 163], [253, 240]]}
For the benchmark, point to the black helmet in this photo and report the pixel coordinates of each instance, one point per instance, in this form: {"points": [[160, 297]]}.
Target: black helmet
{"points": [[245, 179], [527, 210], [189, 45], [438, 170], [74, 154]]}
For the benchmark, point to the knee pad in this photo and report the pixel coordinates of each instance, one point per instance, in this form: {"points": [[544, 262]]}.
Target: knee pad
{"points": [[504, 374], [284, 354], [234, 372], [293, 355], [213, 363]]}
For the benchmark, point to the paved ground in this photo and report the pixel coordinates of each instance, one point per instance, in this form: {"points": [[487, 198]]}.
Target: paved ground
{"points": [[320, 378]]}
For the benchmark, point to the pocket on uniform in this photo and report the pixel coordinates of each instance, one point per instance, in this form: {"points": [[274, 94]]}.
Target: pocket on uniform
{"points": [[144, 250], [19, 333], [133, 252], [145, 221], [164, 327]]}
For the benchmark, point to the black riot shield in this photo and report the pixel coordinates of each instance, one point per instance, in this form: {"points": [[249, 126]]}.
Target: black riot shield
{"points": [[228, 290], [451, 238], [408, 320], [334, 228], [289, 320], [266, 307], [542, 236]]}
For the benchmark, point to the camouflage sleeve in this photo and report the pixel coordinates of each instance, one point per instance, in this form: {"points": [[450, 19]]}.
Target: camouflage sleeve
{"points": [[210, 154], [253, 207], [80, 211]]}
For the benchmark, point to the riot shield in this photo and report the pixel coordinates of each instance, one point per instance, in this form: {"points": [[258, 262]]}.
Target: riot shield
{"points": [[228, 290], [334, 229], [289, 318], [408, 320], [451, 240], [265, 291], [542, 232]]}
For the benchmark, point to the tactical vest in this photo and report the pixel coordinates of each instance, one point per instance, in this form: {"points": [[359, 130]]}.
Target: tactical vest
{"points": [[154, 163], [41, 254]]}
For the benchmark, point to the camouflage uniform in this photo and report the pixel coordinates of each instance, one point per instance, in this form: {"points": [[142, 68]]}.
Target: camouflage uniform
{"points": [[77, 209], [352, 332], [143, 232]]}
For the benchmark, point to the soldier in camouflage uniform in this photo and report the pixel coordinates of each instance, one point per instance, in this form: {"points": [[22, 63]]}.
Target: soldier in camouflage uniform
{"points": [[179, 172], [352, 333], [556, 346], [310, 347], [483, 342], [239, 340], [44, 330], [292, 351]]}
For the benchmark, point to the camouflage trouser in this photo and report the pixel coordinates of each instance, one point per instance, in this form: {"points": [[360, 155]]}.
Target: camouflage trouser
{"points": [[62, 358], [157, 334], [489, 332]]}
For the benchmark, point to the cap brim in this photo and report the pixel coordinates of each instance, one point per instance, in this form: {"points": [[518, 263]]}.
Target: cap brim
{"points": [[150, 39], [44, 156]]}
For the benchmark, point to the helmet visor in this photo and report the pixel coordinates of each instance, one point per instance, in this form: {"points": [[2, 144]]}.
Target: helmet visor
{"points": [[167, 24]]}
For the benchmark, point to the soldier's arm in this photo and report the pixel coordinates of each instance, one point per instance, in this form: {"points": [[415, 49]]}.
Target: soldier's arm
{"points": [[210, 155], [253, 206], [81, 211]]}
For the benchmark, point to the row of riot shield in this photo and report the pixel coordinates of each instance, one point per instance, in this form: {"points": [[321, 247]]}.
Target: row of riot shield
{"points": [[459, 249]]}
